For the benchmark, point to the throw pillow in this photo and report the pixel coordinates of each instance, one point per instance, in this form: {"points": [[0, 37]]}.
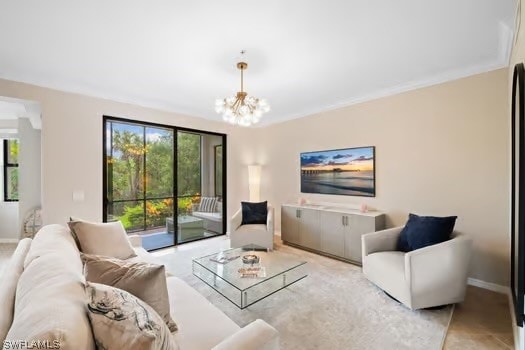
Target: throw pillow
{"points": [[144, 280], [108, 239], [122, 321], [424, 231], [8, 281], [208, 204], [254, 213]]}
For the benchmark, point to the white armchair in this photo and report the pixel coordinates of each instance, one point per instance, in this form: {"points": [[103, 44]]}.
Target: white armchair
{"points": [[431, 276], [261, 235]]}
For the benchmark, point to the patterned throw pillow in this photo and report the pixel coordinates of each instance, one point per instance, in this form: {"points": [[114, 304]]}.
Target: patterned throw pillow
{"points": [[122, 321], [208, 204], [144, 280]]}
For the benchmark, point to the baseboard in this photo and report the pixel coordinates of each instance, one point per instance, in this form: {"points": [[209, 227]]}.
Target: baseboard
{"points": [[488, 285]]}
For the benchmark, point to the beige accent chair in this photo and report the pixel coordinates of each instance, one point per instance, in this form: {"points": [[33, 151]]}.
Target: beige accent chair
{"points": [[431, 276], [261, 235]]}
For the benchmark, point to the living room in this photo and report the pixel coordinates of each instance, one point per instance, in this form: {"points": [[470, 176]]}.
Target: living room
{"points": [[425, 88]]}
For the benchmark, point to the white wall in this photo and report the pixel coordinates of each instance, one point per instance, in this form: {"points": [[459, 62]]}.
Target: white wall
{"points": [[29, 163], [8, 210]]}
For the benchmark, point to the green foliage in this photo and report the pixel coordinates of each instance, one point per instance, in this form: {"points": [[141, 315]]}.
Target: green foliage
{"points": [[12, 183], [13, 149], [126, 165], [156, 212], [140, 168], [188, 163]]}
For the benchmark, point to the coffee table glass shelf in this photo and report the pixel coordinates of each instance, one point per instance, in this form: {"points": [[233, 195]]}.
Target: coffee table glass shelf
{"points": [[277, 271]]}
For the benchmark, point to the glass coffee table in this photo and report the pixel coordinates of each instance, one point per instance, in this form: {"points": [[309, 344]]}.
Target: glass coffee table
{"points": [[274, 271]]}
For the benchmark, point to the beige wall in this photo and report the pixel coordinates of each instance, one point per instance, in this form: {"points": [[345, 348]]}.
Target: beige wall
{"points": [[441, 150], [72, 148]]}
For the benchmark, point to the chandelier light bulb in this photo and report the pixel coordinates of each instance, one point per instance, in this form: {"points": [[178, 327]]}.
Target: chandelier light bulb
{"points": [[242, 110]]}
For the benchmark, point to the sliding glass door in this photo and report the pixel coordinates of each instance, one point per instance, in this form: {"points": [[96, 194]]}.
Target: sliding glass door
{"points": [[199, 207], [146, 165], [139, 173]]}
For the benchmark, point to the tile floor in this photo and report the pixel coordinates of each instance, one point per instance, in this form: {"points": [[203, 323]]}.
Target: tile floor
{"points": [[482, 322]]}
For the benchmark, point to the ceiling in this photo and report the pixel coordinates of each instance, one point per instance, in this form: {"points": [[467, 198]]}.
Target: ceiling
{"points": [[304, 56], [11, 109]]}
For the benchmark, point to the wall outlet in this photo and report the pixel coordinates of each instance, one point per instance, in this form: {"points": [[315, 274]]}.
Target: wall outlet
{"points": [[78, 196]]}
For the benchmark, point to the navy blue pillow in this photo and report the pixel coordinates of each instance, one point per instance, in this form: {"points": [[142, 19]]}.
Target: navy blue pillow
{"points": [[254, 213], [423, 231]]}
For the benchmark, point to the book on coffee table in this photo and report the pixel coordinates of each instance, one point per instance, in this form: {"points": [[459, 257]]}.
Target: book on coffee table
{"points": [[252, 272], [223, 259]]}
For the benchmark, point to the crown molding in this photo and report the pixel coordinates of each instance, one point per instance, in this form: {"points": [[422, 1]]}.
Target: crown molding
{"points": [[395, 90]]}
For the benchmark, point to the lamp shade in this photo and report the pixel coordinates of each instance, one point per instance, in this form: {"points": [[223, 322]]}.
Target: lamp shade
{"points": [[254, 182]]}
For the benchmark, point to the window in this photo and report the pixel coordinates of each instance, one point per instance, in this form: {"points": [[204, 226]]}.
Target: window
{"points": [[11, 170], [139, 175], [189, 164], [154, 177]]}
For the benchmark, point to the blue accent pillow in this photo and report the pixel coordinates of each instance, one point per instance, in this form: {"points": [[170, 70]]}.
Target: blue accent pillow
{"points": [[423, 231], [254, 213]]}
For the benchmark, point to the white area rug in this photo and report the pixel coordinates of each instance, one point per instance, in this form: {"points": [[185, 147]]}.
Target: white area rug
{"points": [[335, 307]]}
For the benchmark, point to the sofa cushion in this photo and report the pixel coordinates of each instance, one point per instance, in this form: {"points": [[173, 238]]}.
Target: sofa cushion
{"points": [[423, 231], [123, 321], [8, 281], [50, 296], [144, 280], [254, 213], [257, 335], [142, 254], [201, 324], [248, 229], [107, 239], [217, 217]]}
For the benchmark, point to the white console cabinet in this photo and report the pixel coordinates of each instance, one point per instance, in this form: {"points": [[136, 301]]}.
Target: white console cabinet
{"points": [[329, 230]]}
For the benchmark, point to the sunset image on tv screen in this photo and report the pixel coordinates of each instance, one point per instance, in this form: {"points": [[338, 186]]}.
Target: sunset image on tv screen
{"points": [[347, 172]]}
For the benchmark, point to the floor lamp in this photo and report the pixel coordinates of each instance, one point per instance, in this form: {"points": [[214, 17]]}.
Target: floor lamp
{"points": [[254, 182]]}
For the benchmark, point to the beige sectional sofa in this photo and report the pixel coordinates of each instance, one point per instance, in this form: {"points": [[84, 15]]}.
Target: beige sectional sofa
{"points": [[48, 301]]}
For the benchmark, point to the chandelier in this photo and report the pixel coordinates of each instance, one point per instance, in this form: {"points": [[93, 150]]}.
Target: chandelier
{"points": [[241, 109]]}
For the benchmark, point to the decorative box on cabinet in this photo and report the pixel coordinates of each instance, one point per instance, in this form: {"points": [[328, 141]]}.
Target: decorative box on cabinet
{"points": [[328, 230]]}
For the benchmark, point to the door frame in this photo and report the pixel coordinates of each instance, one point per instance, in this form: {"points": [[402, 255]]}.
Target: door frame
{"points": [[176, 129]]}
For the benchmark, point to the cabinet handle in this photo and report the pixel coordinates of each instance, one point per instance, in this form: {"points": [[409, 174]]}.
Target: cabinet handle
{"points": [[346, 220], [343, 220]]}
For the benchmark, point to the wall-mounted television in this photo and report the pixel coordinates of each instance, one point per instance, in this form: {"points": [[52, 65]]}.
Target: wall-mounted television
{"points": [[347, 172]]}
